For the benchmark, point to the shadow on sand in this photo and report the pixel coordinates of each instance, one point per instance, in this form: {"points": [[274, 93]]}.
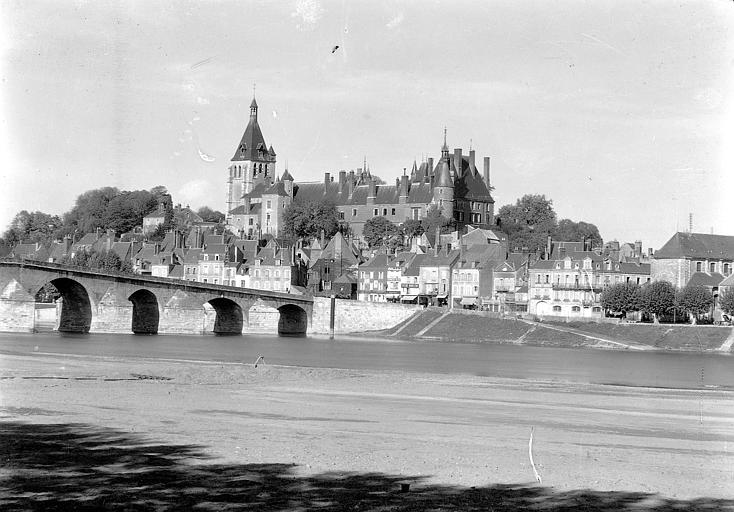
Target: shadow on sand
{"points": [[81, 467]]}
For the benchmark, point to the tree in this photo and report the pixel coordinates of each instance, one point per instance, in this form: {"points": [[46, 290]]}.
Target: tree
{"points": [[726, 301], [127, 209], [413, 228], [307, 220], [32, 227], [528, 222], [657, 298], [378, 231], [621, 298], [571, 231], [695, 300], [209, 215], [435, 219], [88, 212]]}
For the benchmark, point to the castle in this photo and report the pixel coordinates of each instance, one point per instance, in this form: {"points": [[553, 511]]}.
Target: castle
{"points": [[257, 197]]}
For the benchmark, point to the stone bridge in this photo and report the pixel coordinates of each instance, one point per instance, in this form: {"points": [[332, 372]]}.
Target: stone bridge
{"points": [[99, 301]]}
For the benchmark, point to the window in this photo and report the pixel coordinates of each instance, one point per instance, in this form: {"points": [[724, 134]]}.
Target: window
{"points": [[375, 212], [267, 203], [415, 213], [726, 269], [596, 309], [216, 257], [698, 266], [250, 222], [384, 212], [341, 215], [267, 219], [354, 212], [576, 309], [393, 211], [712, 267], [556, 309], [206, 257], [547, 278], [216, 281], [538, 279]]}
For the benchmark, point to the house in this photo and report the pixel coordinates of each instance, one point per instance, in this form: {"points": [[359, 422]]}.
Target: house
{"points": [[434, 277], [154, 219], [688, 254], [410, 281], [270, 269], [372, 280], [472, 276], [571, 286], [395, 270], [339, 256], [30, 251]]}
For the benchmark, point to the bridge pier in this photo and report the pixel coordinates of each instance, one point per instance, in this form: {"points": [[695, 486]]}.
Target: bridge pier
{"points": [[17, 308]]}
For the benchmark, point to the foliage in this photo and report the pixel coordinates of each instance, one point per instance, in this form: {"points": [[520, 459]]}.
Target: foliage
{"points": [[726, 301], [99, 260], [528, 222], [89, 211], [126, 210], [413, 228], [209, 215], [47, 294], [657, 298], [378, 230], [159, 234], [32, 227], [568, 230], [621, 298], [307, 220], [694, 299], [435, 219]]}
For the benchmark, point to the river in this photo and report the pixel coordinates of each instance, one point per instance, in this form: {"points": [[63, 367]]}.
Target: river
{"points": [[615, 367]]}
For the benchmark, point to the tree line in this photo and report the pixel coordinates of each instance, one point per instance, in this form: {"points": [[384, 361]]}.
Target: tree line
{"points": [[661, 299], [104, 208]]}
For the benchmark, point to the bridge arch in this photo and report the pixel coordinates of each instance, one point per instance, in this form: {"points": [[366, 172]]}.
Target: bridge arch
{"points": [[293, 320], [229, 318], [146, 315], [76, 308]]}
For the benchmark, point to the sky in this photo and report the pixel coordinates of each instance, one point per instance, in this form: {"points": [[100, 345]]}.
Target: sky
{"points": [[621, 112]]}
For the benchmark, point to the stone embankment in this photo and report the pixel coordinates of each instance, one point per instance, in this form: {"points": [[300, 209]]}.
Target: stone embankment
{"points": [[479, 327]]}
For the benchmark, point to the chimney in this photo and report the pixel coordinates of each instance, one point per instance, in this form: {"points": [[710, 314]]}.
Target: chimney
{"points": [[404, 185], [438, 238], [486, 172], [458, 163], [649, 252], [429, 169], [342, 181], [350, 183], [372, 192], [327, 180], [472, 165], [638, 248], [549, 240], [67, 244]]}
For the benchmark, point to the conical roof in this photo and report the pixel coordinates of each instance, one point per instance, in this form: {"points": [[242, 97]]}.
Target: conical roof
{"points": [[444, 175]]}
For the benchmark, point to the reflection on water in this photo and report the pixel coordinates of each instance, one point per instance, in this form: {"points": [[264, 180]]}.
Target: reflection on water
{"points": [[622, 367]]}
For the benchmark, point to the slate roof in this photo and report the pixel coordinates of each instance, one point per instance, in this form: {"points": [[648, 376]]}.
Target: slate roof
{"points": [[697, 245], [30, 251], [191, 257], [277, 188], [729, 281], [706, 279], [413, 268], [252, 144], [377, 261], [634, 268], [255, 209]]}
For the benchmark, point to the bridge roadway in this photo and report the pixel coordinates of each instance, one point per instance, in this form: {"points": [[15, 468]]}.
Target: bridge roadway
{"points": [[102, 301]]}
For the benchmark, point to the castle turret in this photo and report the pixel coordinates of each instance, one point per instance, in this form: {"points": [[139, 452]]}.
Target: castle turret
{"points": [[443, 190]]}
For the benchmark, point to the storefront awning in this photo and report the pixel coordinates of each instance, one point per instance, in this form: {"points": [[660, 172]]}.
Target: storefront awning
{"points": [[408, 298], [468, 301], [442, 296]]}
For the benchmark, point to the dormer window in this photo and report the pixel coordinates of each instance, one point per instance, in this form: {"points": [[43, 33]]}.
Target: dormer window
{"points": [[243, 148]]}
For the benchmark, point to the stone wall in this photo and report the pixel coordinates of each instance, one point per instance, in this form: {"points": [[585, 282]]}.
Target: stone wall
{"points": [[357, 316]]}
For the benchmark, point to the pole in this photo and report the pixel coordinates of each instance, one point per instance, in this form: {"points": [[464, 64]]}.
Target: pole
{"points": [[331, 317]]}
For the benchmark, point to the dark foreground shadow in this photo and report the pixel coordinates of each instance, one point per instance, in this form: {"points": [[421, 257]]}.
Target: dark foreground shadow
{"points": [[81, 467]]}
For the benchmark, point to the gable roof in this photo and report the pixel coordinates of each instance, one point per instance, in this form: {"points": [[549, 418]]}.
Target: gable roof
{"points": [[697, 245], [705, 279]]}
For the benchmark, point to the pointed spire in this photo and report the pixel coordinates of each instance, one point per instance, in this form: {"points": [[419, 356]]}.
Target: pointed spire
{"points": [[445, 147]]}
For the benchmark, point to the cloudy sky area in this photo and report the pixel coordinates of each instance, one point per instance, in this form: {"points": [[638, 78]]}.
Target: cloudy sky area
{"points": [[621, 112]]}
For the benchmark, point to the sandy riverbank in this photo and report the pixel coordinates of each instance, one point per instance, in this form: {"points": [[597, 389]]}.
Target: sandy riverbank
{"points": [[442, 433]]}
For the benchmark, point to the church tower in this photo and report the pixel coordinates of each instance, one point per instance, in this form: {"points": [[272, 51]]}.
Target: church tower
{"points": [[253, 163]]}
